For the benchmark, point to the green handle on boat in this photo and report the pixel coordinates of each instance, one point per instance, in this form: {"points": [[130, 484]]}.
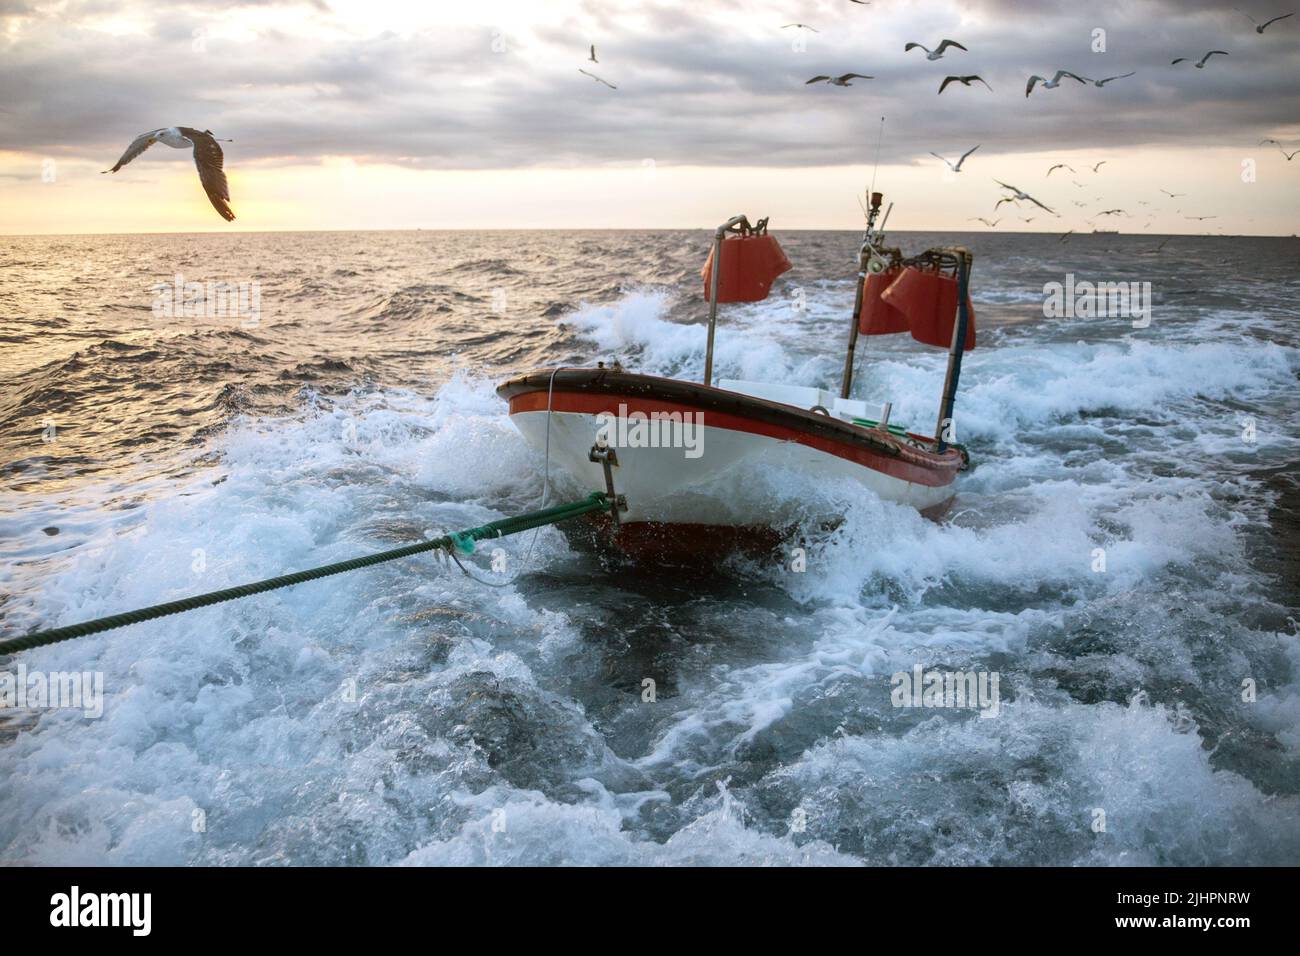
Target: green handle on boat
{"points": [[461, 540]]}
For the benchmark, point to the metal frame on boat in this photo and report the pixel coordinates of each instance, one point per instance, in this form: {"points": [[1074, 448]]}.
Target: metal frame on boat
{"points": [[693, 460]]}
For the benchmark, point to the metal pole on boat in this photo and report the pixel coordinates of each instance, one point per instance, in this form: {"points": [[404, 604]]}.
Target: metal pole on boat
{"points": [[718, 235], [713, 304], [954, 352], [866, 253], [846, 382]]}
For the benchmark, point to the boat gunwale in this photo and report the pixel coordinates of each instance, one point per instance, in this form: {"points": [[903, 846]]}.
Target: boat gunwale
{"points": [[615, 382]]}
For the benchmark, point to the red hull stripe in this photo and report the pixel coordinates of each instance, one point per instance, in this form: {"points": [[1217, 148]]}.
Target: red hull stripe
{"points": [[592, 404]]}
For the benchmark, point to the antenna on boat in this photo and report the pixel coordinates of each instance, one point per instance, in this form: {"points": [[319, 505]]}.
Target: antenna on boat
{"points": [[868, 260], [876, 168]]}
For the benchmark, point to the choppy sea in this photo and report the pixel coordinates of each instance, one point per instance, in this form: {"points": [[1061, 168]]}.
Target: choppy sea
{"points": [[1125, 556]]}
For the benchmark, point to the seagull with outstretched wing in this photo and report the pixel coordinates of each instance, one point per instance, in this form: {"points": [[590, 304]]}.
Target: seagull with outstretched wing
{"points": [[1289, 156], [843, 80], [938, 51], [963, 80], [597, 79], [207, 157], [1260, 27], [1053, 83], [1021, 194], [957, 167], [1201, 64], [1101, 83]]}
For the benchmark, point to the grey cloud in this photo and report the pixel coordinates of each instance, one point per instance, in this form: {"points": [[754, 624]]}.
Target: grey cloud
{"points": [[688, 93]]}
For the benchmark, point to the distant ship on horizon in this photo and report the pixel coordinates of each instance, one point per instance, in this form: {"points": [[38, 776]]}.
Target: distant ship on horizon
{"points": [[1105, 232]]}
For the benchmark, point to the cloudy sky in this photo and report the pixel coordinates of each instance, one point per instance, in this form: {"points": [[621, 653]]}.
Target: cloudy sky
{"points": [[368, 114]]}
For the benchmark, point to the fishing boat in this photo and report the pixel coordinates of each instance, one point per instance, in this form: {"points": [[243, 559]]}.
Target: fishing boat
{"points": [[679, 456]]}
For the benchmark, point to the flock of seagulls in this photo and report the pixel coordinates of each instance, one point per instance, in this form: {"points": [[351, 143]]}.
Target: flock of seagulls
{"points": [[209, 159], [1015, 195]]}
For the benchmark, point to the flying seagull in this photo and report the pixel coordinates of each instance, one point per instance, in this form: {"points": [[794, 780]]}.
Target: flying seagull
{"points": [[963, 80], [596, 78], [1199, 218], [1060, 166], [1113, 212], [1259, 27], [991, 225], [1201, 64], [592, 58], [957, 167], [1009, 199], [1066, 236], [1053, 83], [207, 157], [936, 54], [1289, 156], [1108, 79], [1172, 195], [1021, 194], [839, 80], [800, 26], [1099, 165]]}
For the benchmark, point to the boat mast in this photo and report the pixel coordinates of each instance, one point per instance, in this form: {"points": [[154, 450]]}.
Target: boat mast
{"points": [[718, 235], [869, 262]]}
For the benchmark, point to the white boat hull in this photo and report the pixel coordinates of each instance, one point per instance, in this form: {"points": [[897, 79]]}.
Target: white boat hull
{"points": [[703, 466]]}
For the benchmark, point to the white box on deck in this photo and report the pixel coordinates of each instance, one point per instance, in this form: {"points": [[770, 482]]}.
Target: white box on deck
{"points": [[800, 396]]}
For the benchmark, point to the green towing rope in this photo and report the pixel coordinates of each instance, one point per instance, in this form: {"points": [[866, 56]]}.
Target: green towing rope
{"points": [[457, 541]]}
